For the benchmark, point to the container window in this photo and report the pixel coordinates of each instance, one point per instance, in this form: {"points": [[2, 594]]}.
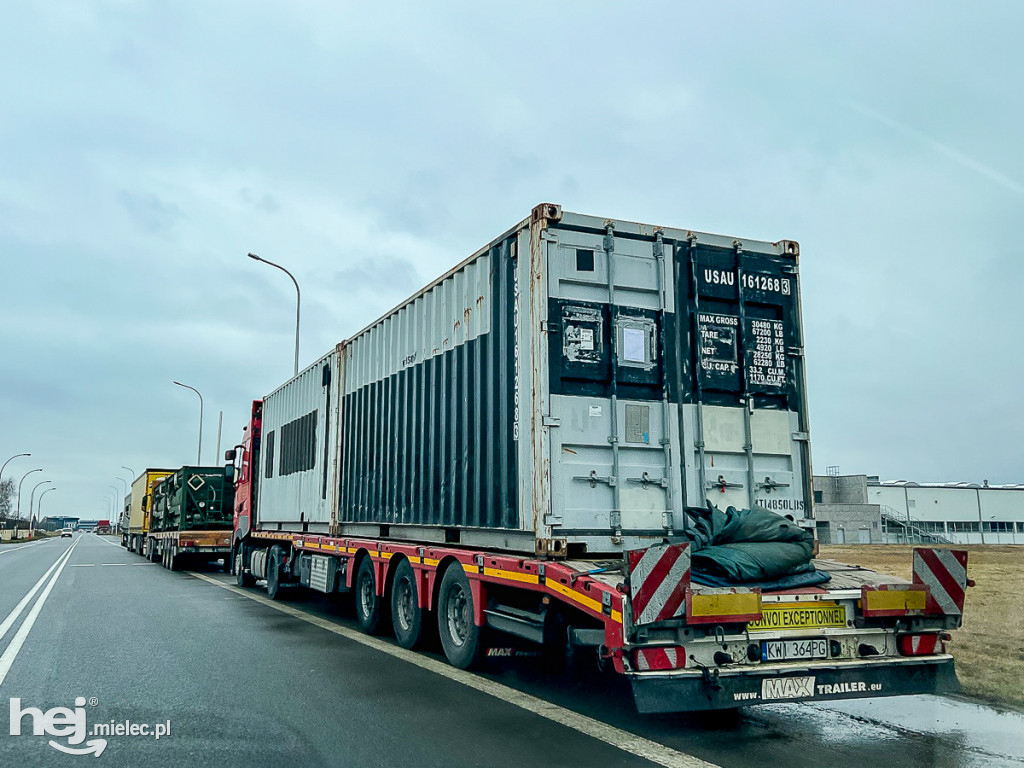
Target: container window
{"points": [[268, 449], [584, 260]]}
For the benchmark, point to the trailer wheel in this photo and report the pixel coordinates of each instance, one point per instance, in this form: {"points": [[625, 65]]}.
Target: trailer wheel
{"points": [[243, 578], [274, 558], [152, 555], [460, 637], [367, 602], [406, 614], [173, 559]]}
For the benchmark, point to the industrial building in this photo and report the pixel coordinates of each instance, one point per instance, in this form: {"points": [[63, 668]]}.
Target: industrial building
{"points": [[862, 509]]}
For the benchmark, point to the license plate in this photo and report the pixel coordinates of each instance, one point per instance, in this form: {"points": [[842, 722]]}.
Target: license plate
{"points": [[791, 650]]}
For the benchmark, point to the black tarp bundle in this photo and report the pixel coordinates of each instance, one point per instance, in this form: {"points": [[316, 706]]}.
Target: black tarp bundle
{"points": [[750, 547]]}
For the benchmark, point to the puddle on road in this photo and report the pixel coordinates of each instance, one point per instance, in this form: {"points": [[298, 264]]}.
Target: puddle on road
{"points": [[967, 734]]}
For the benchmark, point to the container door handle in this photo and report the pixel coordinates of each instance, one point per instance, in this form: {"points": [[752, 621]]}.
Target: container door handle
{"points": [[646, 480], [593, 478]]}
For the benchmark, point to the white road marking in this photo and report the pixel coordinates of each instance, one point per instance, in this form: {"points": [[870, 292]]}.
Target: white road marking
{"points": [[13, 615], [9, 655], [609, 734], [113, 563], [108, 541], [82, 565]]}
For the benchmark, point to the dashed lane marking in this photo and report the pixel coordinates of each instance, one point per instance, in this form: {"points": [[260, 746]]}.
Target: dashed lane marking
{"points": [[609, 734]]}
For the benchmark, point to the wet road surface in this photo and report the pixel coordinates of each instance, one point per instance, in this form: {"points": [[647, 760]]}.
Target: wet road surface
{"points": [[242, 682]]}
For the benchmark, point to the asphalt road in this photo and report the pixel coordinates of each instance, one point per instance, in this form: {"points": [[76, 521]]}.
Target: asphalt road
{"points": [[241, 682]]}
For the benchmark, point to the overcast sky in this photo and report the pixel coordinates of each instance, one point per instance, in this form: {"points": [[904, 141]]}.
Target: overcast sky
{"points": [[145, 148]]}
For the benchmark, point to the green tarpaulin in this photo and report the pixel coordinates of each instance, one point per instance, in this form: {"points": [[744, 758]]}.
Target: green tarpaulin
{"points": [[746, 546]]}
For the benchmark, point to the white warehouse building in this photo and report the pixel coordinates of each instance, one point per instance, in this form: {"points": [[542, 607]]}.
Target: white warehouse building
{"points": [[964, 513], [861, 509]]}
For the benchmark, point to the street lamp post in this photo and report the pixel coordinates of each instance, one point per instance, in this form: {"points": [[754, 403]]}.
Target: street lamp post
{"points": [[32, 496], [298, 303], [39, 509], [40, 469], [9, 461], [114, 502], [131, 473], [199, 453]]}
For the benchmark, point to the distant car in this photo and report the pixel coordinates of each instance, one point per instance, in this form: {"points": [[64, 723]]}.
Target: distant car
{"points": [[66, 532]]}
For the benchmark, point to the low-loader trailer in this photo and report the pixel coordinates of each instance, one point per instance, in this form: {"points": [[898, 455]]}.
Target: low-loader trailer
{"points": [[514, 454]]}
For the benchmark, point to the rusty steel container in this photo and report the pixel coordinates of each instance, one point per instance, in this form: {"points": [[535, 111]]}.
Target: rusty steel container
{"points": [[569, 388]]}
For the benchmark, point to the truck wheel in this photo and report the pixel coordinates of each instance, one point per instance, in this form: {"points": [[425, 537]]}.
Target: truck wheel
{"points": [[153, 555], [367, 601], [406, 614], [243, 578], [173, 559], [460, 637], [274, 558]]}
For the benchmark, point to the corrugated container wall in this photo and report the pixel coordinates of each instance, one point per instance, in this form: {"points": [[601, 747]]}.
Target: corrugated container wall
{"points": [[574, 385], [297, 448]]}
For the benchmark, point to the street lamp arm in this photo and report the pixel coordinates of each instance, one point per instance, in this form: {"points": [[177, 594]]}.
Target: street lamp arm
{"points": [[9, 461], [298, 302], [199, 453]]}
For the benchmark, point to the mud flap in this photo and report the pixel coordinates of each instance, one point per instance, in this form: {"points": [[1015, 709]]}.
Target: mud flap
{"points": [[691, 692]]}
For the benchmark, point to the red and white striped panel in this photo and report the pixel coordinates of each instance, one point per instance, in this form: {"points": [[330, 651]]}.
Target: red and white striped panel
{"points": [[921, 645], [944, 572], [668, 657], [658, 579]]}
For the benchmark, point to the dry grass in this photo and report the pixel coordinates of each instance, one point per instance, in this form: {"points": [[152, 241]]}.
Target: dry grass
{"points": [[989, 648]]}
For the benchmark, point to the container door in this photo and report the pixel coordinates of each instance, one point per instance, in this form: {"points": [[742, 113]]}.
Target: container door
{"points": [[741, 379], [613, 431]]}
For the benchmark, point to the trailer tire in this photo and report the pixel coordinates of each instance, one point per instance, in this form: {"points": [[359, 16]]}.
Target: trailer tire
{"points": [[406, 613], [243, 578], [152, 555], [173, 559], [368, 613], [461, 639], [274, 558]]}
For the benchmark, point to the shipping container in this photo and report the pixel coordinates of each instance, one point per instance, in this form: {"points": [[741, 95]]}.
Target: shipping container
{"points": [[192, 498], [570, 387], [510, 454]]}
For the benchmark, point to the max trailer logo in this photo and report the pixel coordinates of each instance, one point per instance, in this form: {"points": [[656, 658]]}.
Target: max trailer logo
{"points": [[72, 725]]}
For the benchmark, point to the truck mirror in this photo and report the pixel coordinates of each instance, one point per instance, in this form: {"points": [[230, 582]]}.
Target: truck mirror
{"points": [[229, 455]]}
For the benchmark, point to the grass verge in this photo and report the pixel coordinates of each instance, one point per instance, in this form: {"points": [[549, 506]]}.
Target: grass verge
{"points": [[989, 648]]}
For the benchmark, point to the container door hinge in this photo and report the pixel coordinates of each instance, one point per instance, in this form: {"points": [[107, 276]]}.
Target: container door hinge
{"points": [[552, 520], [551, 421], [802, 437], [795, 351]]}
